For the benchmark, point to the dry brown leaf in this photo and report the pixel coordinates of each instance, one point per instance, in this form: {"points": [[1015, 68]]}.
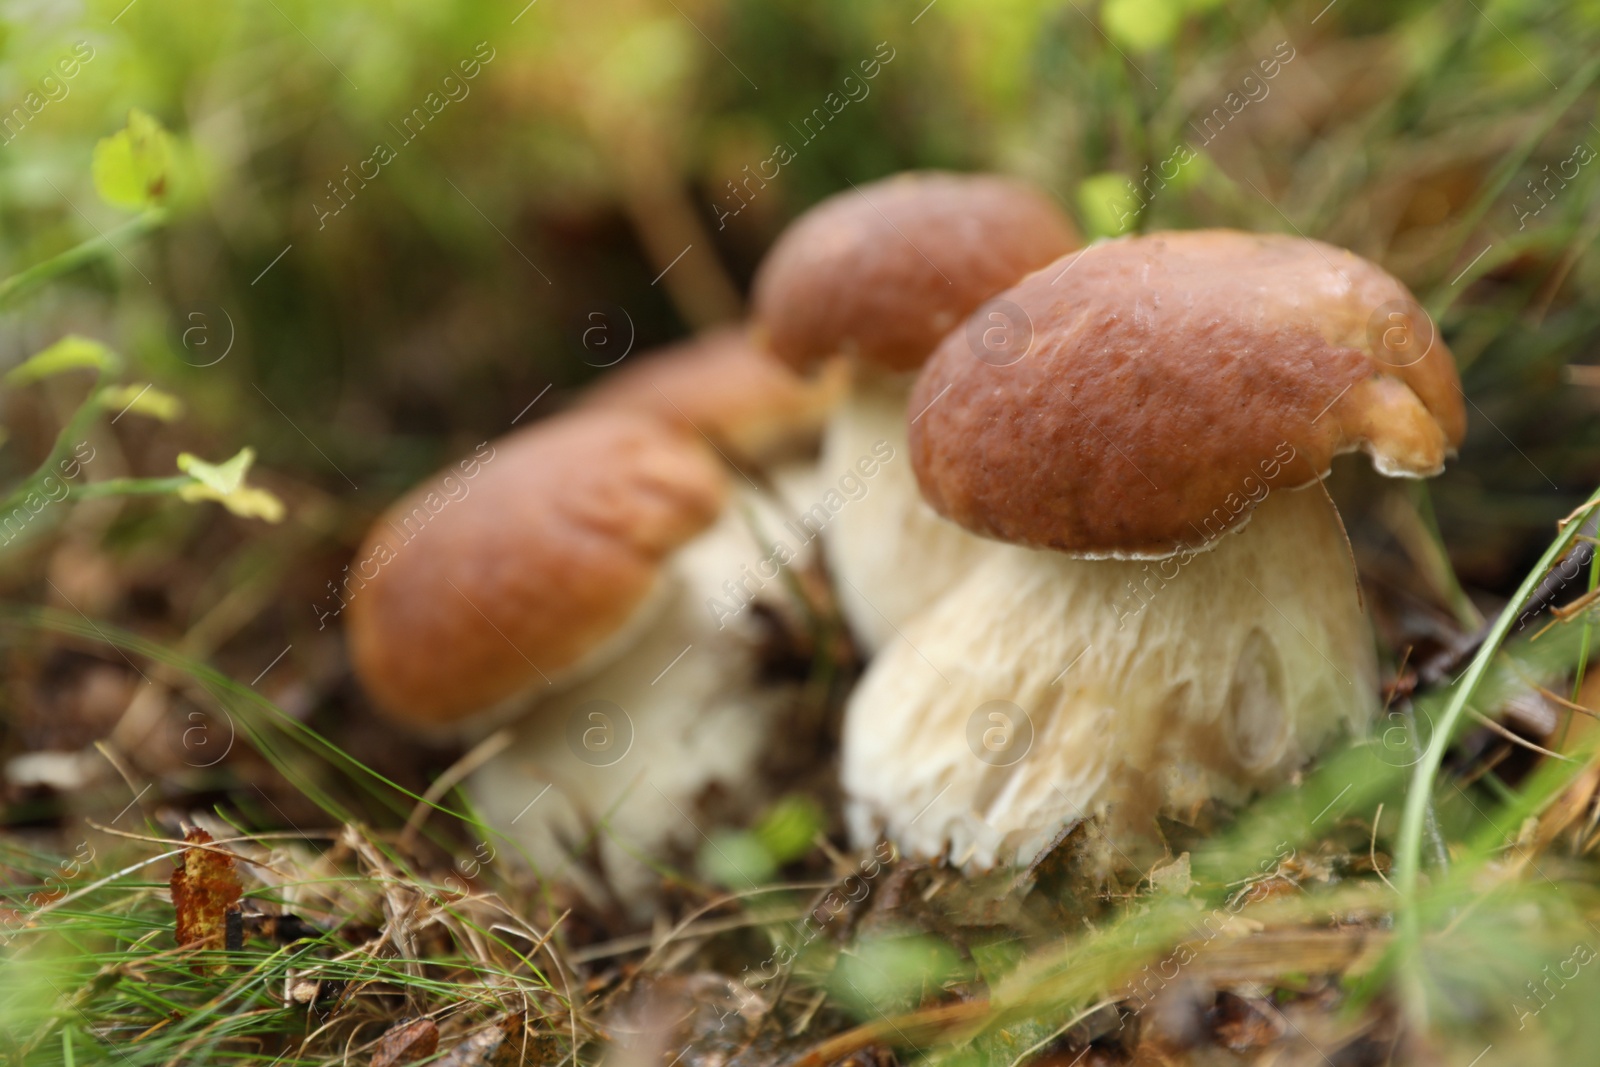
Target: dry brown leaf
{"points": [[406, 1042], [503, 1044], [205, 887]]}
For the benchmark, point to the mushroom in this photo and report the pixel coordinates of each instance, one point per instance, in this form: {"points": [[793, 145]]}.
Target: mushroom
{"points": [[565, 580], [879, 274], [526, 566], [763, 419], [1174, 617], [753, 408]]}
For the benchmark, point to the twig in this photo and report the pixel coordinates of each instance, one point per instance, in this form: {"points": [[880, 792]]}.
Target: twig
{"points": [[894, 1030], [713, 905], [203, 846], [1570, 705], [1372, 847], [1515, 738], [635, 942]]}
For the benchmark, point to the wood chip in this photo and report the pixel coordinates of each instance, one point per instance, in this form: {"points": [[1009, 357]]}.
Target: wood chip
{"points": [[406, 1041]]}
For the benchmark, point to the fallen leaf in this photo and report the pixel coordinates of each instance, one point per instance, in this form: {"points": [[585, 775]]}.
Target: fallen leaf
{"points": [[503, 1044], [1172, 878], [406, 1041], [205, 887]]}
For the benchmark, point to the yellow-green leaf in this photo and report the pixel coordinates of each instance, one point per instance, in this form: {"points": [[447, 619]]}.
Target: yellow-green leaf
{"points": [[224, 483], [132, 167], [224, 477], [247, 502], [789, 827], [1142, 25], [72, 352], [144, 400]]}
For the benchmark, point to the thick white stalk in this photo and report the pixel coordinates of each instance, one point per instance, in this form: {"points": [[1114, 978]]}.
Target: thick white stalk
{"points": [[890, 553], [1044, 689], [618, 765]]}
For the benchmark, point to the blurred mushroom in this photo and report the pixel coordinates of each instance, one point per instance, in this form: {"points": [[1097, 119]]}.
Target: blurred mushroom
{"points": [[879, 274], [563, 572], [752, 407], [764, 420], [520, 567], [1176, 618]]}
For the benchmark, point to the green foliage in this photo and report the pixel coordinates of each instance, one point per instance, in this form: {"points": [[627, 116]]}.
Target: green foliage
{"points": [[789, 828], [740, 859], [1107, 205], [885, 975], [144, 399], [736, 859], [133, 167], [68, 354], [224, 483], [1141, 25]]}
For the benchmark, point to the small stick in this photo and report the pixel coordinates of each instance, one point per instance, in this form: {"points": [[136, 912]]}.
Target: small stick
{"points": [[1517, 739]]}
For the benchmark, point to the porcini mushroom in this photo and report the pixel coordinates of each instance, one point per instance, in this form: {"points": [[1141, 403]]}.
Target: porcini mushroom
{"points": [[751, 406], [879, 274], [764, 420], [567, 582], [1174, 618], [487, 582]]}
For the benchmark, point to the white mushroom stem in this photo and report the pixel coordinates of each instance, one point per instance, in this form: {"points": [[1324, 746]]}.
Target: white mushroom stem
{"points": [[891, 555], [1148, 686], [629, 751]]}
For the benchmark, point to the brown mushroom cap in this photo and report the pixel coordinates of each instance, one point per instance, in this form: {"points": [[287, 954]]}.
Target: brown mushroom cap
{"points": [[509, 568], [722, 385], [1170, 382], [884, 271]]}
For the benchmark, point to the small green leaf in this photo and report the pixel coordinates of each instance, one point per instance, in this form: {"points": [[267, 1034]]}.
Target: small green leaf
{"points": [[144, 400], [736, 859], [224, 483], [72, 352], [889, 974], [789, 826], [132, 167], [224, 477], [1142, 25]]}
